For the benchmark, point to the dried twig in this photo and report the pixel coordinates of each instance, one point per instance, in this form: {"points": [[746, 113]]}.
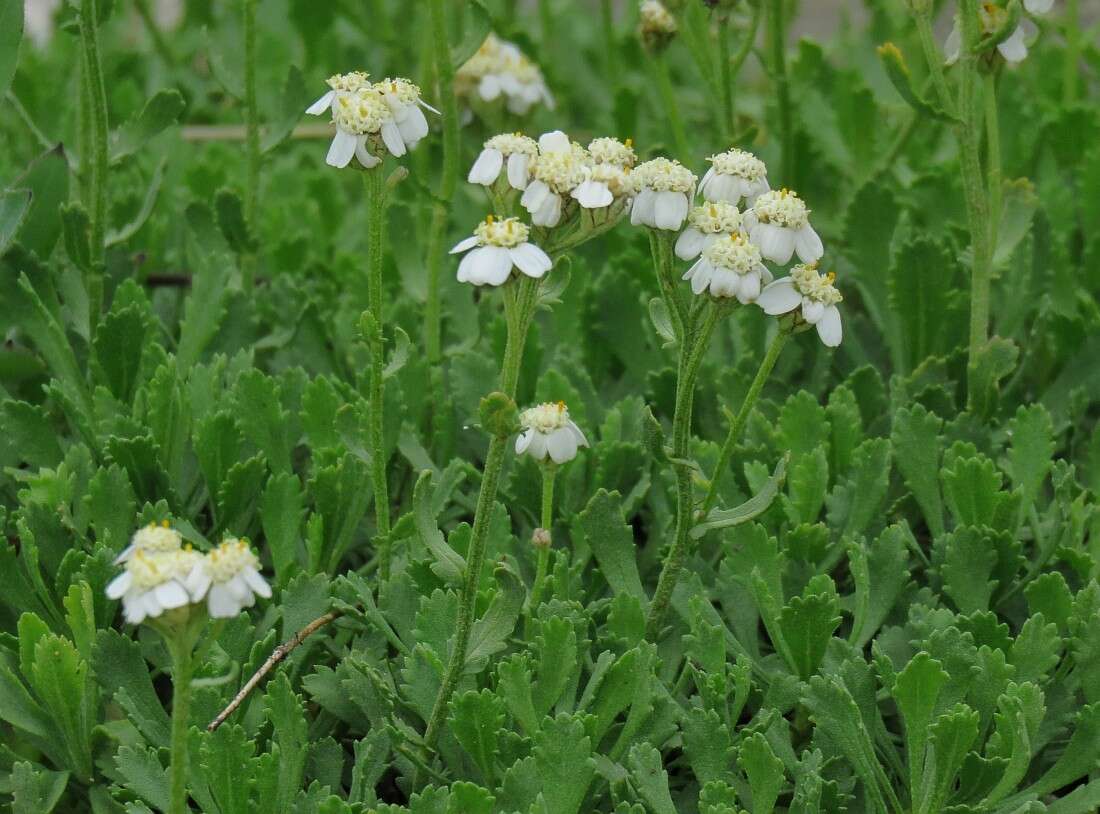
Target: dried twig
{"points": [[277, 655]]}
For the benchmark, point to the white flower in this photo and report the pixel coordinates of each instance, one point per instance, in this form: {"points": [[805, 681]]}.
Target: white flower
{"points": [[664, 190], [607, 174], [991, 18], [498, 69], [734, 175], [558, 169], [228, 578], [549, 432], [497, 246], [779, 223], [729, 268], [403, 99], [365, 115], [814, 293], [152, 539], [607, 150], [517, 148], [153, 582], [706, 224], [345, 82]]}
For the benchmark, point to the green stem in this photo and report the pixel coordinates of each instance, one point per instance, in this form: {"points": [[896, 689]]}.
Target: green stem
{"points": [[691, 356], [748, 42], [934, 59], [519, 313], [969, 133], [549, 473], [252, 142], [778, 40], [433, 314], [660, 247], [159, 43], [95, 164], [993, 157], [376, 224], [1072, 55], [738, 425], [672, 108], [180, 648]]}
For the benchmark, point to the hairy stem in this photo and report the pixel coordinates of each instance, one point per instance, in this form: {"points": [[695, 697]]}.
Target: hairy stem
{"points": [[993, 158], [738, 424], [777, 32], [660, 247], [549, 472], [376, 225], [252, 143], [180, 648], [691, 356], [519, 311], [95, 162]]}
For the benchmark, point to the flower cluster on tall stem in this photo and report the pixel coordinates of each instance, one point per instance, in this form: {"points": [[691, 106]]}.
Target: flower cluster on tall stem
{"points": [[729, 249], [373, 119]]}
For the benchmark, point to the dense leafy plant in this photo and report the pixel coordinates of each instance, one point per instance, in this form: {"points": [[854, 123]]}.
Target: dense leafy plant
{"points": [[742, 572]]}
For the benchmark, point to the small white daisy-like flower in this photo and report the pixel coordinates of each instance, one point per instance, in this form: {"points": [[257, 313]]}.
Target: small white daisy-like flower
{"points": [[607, 175], [228, 578], [499, 68], [152, 539], [779, 223], [495, 248], [153, 582], [403, 99], [731, 267], [664, 191], [519, 150], [734, 175], [341, 82], [812, 292], [556, 172], [706, 224], [548, 432], [992, 17]]}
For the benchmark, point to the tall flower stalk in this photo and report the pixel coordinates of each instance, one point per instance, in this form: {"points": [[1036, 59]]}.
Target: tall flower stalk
{"points": [[376, 226], [94, 163], [777, 42], [181, 649], [520, 297]]}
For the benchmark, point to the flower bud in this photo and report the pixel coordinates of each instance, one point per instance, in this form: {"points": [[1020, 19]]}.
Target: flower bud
{"points": [[540, 538], [498, 415]]}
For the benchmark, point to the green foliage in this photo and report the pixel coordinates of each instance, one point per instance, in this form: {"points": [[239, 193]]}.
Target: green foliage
{"points": [[892, 605]]}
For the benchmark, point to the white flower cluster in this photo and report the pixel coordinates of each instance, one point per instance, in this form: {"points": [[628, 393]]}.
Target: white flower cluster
{"points": [[549, 432], [367, 114], [656, 25], [992, 18], [730, 246], [498, 69], [161, 574]]}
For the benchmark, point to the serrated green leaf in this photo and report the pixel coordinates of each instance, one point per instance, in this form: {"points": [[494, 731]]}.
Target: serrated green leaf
{"points": [[764, 770], [161, 111], [15, 204], [808, 622], [1032, 450], [915, 436], [612, 543], [650, 778], [968, 565], [491, 632], [563, 755], [476, 720], [35, 790]]}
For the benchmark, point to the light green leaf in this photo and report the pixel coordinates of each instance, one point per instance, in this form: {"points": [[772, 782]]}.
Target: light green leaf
{"points": [[915, 434], [750, 509], [969, 560], [612, 543], [35, 790], [764, 770], [650, 778], [476, 721], [563, 755], [14, 203], [160, 112]]}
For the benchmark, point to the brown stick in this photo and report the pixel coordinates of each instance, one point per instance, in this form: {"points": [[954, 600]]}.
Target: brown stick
{"points": [[277, 655]]}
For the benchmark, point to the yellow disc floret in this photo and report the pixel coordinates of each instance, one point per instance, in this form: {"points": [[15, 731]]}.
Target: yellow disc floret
{"points": [[782, 208], [735, 254], [715, 218], [545, 418], [507, 233], [814, 285]]}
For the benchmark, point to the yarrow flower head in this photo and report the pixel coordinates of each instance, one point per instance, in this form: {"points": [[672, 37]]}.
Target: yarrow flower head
{"points": [[556, 172], [228, 578], [656, 25], [152, 581], [386, 113], [664, 191], [607, 150], [519, 150], [730, 267], [813, 293], [779, 223], [734, 175], [991, 18], [706, 224], [495, 248], [162, 574], [548, 432], [499, 68]]}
